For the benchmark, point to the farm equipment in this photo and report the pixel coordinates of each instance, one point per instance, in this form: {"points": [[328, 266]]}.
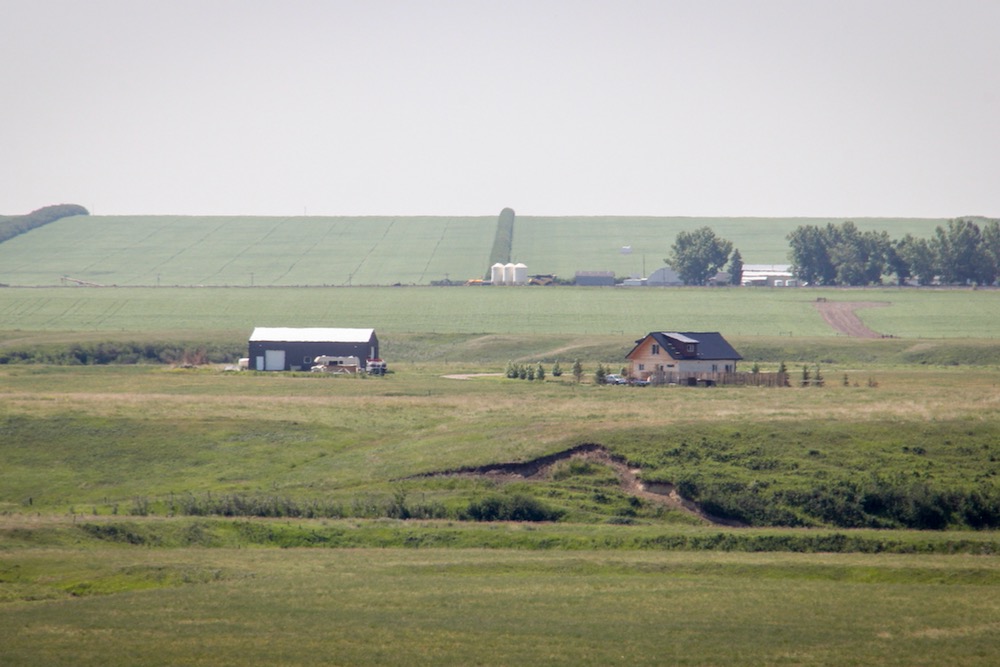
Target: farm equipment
{"points": [[342, 365], [376, 366]]}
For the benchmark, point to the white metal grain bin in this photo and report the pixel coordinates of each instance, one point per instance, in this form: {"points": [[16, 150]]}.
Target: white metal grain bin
{"points": [[508, 274], [520, 274], [496, 274]]}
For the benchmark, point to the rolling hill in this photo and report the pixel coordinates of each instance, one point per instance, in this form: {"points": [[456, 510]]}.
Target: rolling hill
{"points": [[341, 251]]}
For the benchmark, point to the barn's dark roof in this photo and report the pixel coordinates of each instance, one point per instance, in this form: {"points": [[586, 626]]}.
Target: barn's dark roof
{"points": [[711, 344]]}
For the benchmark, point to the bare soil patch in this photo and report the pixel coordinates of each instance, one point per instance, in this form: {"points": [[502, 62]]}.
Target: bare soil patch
{"points": [[842, 316], [663, 494]]}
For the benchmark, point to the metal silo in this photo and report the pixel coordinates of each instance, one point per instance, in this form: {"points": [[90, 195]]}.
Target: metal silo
{"points": [[508, 274], [520, 274], [496, 274]]}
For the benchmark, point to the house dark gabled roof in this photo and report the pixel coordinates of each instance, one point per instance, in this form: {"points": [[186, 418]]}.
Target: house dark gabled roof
{"points": [[708, 345]]}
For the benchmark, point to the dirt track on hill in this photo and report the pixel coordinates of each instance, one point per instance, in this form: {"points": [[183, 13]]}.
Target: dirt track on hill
{"points": [[663, 494], [841, 316]]}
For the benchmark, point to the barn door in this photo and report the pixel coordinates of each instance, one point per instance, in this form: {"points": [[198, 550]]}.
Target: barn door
{"points": [[274, 360]]}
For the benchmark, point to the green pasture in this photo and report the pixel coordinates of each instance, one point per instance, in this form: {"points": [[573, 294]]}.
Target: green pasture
{"points": [[141, 606], [626, 312], [118, 440], [340, 251]]}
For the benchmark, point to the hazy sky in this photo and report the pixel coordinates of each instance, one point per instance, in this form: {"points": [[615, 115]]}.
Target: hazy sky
{"points": [[552, 107]]}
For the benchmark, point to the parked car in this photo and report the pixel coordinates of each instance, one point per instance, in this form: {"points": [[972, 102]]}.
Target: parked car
{"points": [[638, 382], [614, 379]]}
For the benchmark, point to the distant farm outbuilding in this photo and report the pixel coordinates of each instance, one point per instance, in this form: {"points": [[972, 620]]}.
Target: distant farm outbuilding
{"points": [[664, 276], [595, 278], [292, 349], [768, 275]]}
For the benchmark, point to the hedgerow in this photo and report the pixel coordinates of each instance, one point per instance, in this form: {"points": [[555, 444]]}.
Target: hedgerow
{"points": [[119, 352]]}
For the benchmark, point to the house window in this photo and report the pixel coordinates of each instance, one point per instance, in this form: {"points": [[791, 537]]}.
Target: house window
{"points": [[690, 348], [307, 360], [656, 349], [715, 368], [642, 367]]}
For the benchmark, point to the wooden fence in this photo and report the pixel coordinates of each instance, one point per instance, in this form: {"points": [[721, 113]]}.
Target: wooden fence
{"points": [[713, 379]]}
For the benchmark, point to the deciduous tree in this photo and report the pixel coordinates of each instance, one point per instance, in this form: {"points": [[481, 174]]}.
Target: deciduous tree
{"points": [[962, 254], [698, 255]]}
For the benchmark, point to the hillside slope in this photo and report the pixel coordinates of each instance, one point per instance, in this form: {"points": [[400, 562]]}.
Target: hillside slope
{"points": [[339, 251]]}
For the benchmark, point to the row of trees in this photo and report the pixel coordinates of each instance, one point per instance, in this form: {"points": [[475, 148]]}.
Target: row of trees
{"points": [[966, 252], [503, 239], [517, 371], [19, 224]]}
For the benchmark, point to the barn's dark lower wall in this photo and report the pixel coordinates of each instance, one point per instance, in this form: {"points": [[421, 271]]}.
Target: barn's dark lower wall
{"points": [[595, 281], [300, 355]]}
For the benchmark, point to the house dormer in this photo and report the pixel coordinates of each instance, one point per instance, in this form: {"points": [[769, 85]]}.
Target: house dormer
{"points": [[684, 346]]}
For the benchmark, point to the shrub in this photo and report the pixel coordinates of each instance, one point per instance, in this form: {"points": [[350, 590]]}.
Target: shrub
{"points": [[517, 507]]}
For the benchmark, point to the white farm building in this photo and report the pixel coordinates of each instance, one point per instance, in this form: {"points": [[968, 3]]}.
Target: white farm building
{"points": [[768, 275]]}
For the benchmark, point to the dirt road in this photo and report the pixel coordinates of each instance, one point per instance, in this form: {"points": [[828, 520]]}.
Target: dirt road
{"points": [[841, 316]]}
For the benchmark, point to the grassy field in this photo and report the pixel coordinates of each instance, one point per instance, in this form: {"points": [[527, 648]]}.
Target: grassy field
{"points": [[94, 572], [127, 439], [627, 312], [245, 251], [140, 606], [115, 479]]}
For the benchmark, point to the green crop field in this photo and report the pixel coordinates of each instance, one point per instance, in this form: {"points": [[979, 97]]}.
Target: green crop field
{"points": [[564, 245], [159, 250], [244, 251], [627, 312]]}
